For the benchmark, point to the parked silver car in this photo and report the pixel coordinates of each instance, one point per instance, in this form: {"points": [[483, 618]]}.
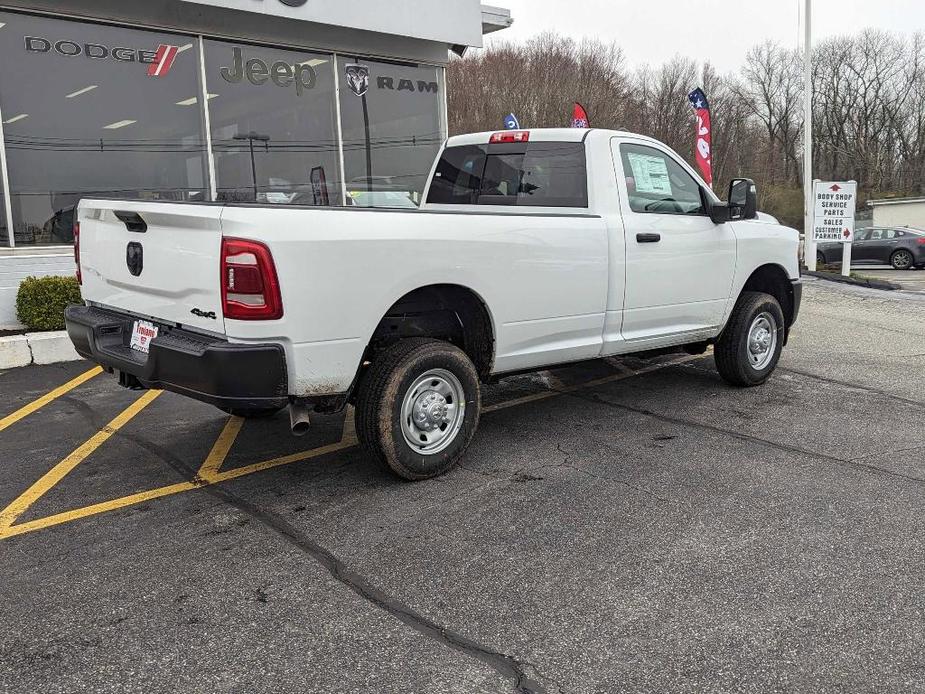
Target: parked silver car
{"points": [[901, 247]]}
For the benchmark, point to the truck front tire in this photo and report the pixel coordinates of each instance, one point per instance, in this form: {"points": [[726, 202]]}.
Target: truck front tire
{"points": [[418, 407], [747, 352]]}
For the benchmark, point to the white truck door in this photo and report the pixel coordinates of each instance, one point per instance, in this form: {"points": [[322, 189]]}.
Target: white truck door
{"points": [[679, 264], [537, 254]]}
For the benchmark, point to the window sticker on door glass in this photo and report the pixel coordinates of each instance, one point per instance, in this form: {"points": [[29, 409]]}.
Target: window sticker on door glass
{"points": [[651, 174]]}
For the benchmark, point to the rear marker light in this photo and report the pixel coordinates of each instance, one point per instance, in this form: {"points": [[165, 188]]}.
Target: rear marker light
{"points": [[510, 136], [250, 286], [921, 241], [80, 279]]}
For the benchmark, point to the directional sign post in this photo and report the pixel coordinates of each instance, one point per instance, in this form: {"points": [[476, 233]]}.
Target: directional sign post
{"points": [[833, 217]]}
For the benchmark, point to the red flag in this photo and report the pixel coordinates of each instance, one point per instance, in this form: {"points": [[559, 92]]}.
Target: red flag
{"points": [[580, 117], [703, 151]]}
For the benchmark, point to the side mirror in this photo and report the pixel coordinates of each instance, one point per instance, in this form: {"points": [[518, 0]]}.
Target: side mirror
{"points": [[743, 199]]}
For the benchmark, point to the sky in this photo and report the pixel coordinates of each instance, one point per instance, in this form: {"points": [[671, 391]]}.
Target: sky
{"points": [[721, 31]]}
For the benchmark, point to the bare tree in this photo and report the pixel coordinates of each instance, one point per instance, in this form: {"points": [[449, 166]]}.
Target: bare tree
{"points": [[868, 121]]}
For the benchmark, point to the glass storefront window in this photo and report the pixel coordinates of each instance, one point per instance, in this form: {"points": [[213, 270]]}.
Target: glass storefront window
{"points": [[4, 230], [95, 110], [274, 124], [392, 128]]}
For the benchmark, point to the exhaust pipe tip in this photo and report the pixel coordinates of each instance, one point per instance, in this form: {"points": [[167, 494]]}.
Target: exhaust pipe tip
{"points": [[299, 420]]}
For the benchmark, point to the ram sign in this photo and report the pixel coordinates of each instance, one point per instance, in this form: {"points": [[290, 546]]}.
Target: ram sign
{"points": [[456, 22]]}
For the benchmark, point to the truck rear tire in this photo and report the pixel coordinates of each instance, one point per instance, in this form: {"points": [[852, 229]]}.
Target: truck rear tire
{"points": [[747, 352], [418, 407]]}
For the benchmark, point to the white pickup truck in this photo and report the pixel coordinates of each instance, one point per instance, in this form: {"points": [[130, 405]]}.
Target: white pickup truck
{"points": [[532, 249]]}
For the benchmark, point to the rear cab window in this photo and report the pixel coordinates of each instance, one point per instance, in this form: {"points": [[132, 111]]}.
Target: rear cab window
{"points": [[535, 174]]}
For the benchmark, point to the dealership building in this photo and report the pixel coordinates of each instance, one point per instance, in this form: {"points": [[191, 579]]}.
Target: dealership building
{"points": [[303, 102]]}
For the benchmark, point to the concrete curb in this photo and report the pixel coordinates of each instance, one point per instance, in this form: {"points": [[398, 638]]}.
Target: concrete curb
{"points": [[869, 282], [14, 352], [36, 348]]}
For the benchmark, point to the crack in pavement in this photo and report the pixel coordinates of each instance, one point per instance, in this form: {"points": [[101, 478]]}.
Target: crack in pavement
{"points": [[600, 478], [526, 677], [892, 450], [856, 386], [526, 474], [849, 463]]}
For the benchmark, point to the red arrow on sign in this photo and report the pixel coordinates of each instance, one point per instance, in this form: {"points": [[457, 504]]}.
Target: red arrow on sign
{"points": [[835, 188], [846, 233]]}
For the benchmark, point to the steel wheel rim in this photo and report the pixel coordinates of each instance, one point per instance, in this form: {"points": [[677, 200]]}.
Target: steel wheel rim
{"points": [[762, 341], [902, 260], [433, 411]]}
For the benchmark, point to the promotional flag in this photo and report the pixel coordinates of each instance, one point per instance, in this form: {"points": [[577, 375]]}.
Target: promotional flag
{"points": [[580, 117], [704, 144], [511, 122]]}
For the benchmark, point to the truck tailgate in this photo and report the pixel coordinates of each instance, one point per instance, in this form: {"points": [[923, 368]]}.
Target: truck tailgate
{"points": [[176, 279]]}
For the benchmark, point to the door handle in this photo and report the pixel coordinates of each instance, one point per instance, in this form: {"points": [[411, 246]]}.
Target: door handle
{"points": [[648, 238]]}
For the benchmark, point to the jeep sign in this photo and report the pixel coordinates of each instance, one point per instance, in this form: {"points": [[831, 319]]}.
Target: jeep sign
{"points": [[257, 72]]}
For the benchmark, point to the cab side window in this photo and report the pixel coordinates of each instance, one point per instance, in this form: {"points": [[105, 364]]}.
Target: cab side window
{"points": [[657, 184], [458, 177], [862, 236], [538, 174]]}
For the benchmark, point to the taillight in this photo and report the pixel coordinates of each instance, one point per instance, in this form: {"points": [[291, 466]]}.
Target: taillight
{"points": [[250, 287], [509, 136], [80, 278], [921, 240]]}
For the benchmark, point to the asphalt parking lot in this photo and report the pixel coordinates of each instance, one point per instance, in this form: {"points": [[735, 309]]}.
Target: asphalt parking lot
{"points": [[910, 280], [620, 526]]}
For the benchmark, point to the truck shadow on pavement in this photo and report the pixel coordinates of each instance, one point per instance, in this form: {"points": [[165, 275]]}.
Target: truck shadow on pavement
{"points": [[161, 444]]}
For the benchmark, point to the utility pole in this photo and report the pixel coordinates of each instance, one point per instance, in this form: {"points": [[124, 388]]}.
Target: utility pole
{"points": [[252, 137], [809, 245]]}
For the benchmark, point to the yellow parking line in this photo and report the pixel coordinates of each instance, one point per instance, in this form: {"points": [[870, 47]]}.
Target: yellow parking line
{"points": [[349, 434], [213, 461], [9, 515], [141, 497], [285, 460], [36, 405], [96, 509]]}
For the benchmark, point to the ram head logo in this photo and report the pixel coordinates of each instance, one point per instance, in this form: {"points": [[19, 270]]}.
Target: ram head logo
{"points": [[358, 79]]}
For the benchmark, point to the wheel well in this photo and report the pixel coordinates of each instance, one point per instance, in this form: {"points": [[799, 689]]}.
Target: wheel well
{"points": [[443, 311], [773, 280]]}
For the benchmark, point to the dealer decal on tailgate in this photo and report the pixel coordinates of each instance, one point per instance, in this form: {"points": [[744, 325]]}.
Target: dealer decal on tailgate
{"points": [[142, 334]]}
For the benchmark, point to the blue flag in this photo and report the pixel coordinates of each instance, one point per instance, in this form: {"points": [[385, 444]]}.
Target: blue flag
{"points": [[511, 122]]}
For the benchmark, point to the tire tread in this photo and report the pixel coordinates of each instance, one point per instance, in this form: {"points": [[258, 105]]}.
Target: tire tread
{"points": [[372, 422], [726, 350], [372, 390]]}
